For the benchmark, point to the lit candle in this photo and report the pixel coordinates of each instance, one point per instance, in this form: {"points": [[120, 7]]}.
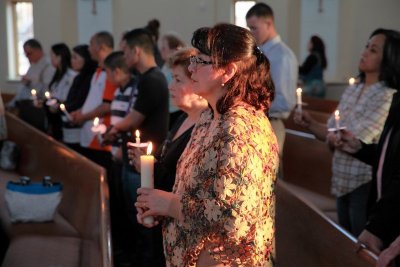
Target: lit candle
{"points": [[50, 101], [337, 119], [147, 175], [352, 81], [299, 102], [34, 97], [137, 143], [62, 107], [137, 133], [99, 129]]}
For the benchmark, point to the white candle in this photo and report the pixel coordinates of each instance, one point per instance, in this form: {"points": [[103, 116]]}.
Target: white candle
{"points": [[62, 107], [337, 119], [99, 129], [147, 175], [352, 81], [137, 133], [299, 101], [34, 97]]}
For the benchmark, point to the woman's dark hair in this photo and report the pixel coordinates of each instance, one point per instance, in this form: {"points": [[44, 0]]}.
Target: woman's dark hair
{"points": [[182, 58], [90, 65], [390, 65], [252, 83], [153, 26], [63, 52], [318, 47]]}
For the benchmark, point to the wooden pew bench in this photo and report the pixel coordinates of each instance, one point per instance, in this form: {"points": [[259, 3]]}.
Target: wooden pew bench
{"points": [[80, 233], [305, 236]]}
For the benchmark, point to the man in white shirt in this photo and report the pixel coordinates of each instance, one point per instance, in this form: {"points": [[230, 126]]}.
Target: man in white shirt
{"points": [[284, 66], [38, 75]]}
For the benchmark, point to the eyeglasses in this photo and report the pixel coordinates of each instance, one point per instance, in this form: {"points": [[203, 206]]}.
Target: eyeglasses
{"points": [[194, 60]]}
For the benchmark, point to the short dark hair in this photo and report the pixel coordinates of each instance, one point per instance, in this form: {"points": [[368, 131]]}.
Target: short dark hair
{"points": [[141, 38], [116, 60], [104, 38], [260, 10], [33, 43]]}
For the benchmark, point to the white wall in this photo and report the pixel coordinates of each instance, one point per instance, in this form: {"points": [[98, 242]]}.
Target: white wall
{"points": [[92, 19]]}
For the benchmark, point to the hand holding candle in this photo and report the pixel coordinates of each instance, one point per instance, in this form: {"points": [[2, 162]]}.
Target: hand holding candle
{"points": [[99, 129], [147, 175], [64, 110], [137, 143], [34, 97], [49, 101], [299, 101]]}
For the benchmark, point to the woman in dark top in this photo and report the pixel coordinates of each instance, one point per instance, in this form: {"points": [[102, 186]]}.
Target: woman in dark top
{"points": [[83, 64], [168, 154], [311, 71], [193, 105]]}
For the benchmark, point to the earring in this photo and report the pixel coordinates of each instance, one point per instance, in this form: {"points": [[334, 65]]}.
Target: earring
{"points": [[200, 97], [222, 84]]}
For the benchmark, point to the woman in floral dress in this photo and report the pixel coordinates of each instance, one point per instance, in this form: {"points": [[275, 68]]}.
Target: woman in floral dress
{"points": [[221, 210]]}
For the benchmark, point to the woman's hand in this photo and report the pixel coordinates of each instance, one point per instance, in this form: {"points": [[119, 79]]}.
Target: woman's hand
{"points": [[344, 140], [386, 258], [302, 118], [154, 202], [371, 241]]}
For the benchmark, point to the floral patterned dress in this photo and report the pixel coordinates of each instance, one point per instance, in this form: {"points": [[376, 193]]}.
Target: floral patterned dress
{"points": [[226, 178]]}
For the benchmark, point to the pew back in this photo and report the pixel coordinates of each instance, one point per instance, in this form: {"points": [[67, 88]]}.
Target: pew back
{"points": [[84, 205], [307, 237]]}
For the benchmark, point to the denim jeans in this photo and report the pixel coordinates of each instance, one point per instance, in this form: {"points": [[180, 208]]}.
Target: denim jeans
{"points": [[352, 209], [148, 242], [130, 184]]}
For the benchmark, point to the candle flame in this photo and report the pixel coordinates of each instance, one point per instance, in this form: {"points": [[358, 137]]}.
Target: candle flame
{"points": [[96, 121], [352, 81], [137, 133], [149, 148], [299, 90], [62, 107], [33, 92], [337, 114], [47, 94]]}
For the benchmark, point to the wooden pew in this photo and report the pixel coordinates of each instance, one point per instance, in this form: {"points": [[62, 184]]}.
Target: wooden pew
{"points": [[306, 230], [305, 236], [80, 233]]}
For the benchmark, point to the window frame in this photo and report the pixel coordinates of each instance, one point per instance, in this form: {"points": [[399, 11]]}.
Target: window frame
{"points": [[12, 38]]}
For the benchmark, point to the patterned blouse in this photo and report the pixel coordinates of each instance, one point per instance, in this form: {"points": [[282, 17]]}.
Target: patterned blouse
{"points": [[226, 178], [364, 115]]}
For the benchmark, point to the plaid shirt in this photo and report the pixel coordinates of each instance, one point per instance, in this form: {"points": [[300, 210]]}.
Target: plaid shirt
{"points": [[364, 115]]}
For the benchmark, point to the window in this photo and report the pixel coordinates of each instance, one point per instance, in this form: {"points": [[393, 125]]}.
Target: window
{"points": [[241, 8], [20, 29]]}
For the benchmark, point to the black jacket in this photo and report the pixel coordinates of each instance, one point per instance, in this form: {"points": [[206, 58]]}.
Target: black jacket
{"points": [[384, 215]]}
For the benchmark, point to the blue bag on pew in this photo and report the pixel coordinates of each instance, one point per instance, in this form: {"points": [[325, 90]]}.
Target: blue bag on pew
{"points": [[32, 202]]}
